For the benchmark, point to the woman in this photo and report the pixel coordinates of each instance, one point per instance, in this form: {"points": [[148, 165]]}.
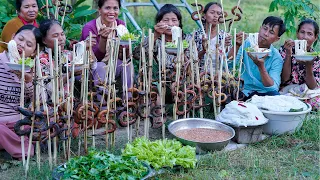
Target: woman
{"points": [[296, 71], [27, 14], [211, 14], [167, 17], [103, 29], [26, 38]]}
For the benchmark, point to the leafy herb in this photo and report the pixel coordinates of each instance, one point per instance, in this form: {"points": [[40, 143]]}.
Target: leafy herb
{"points": [[28, 62], [185, 44], [128, 36], [102, 165], [316, 53], [162, 153], [249, 49]]}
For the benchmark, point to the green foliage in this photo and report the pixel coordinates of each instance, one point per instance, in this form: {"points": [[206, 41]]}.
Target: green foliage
{"points": [[162, 153], [6, 12], [295, 9], [103, 165], [75, 21]]}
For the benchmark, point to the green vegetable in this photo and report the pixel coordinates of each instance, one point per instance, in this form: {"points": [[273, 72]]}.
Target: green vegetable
{"points": [[102, 165], [249, 49], [162, 153], [185, 44], [316, 53], [28, 62], [128, 36]]}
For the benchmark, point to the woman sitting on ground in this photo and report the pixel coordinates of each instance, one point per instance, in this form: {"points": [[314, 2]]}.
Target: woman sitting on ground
{"points": [[26, 38], [299, 72], [27, 14], [167, 17]]}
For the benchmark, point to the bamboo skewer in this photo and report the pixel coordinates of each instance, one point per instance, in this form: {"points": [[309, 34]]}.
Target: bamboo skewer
{"points": [[240, 66], [234, 53], [56, 101], [47, 7], [33, 117], [233, 16], [22, 105], [162, 94], [125, 90], [145, 90], [64, 14]]}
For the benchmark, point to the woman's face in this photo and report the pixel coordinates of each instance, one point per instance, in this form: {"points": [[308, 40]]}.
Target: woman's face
{"points": [[55, 32], [26, 42], [213, 14], [109, 12], [306, 32], [29, 10], [170, 19]]}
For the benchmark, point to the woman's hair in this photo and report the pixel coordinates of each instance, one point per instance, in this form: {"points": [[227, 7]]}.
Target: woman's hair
{"points": [[101, 3], [19, 4], [36, 32], [206, 8], [168, 8], [45, 26], [309, 21]]}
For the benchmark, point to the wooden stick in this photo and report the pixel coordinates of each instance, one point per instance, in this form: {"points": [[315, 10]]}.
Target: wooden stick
{"points": [[240, 66], [199, 16], [145, 90], [234, 16], [125, 90], [22, 105], [47, 7], [234, 53], [151, 40], [64, 14], [162, 94], [37, 107], [56, 15]]}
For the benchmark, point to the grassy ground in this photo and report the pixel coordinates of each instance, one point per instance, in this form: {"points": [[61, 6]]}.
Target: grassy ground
{"points": [[293, 156]]}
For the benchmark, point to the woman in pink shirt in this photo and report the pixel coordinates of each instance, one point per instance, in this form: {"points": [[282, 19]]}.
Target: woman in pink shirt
{"points": [[26, 38]]}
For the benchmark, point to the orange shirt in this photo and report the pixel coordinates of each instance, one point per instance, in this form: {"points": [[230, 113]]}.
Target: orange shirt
{"points": [[9, 29]]}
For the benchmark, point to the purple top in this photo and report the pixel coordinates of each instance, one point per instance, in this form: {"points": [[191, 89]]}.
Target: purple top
{"points": [[91, 26]]}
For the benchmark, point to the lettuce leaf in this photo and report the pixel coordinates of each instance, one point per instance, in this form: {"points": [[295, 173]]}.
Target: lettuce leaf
{"points": [[28, 62], [161, 153]]}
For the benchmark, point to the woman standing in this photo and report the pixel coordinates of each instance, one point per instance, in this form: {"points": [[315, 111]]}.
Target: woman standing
{"points": [[26, 38], [27, 14]]}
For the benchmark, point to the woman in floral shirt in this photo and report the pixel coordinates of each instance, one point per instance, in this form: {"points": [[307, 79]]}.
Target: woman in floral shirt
{"points": [[299, 72], [211, 14]]}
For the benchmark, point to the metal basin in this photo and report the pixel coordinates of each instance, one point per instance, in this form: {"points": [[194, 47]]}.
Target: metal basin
{"points": [[191, 123]]}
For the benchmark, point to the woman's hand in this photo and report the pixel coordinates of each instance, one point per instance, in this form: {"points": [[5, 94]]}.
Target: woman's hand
{"points": [[104, 33], [228, 40], [161, 27], [93, 41], [27, 76], [239, 37], [288, 45]]}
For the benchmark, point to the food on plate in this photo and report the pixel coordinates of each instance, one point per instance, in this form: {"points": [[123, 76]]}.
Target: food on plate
{"points": [[127, 36], [28, 62], [300, 47], [121, 30], [14, 55], [185, 44], [241, 114]]}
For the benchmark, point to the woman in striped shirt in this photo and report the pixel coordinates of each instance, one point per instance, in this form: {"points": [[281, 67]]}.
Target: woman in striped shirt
{"points": [[26, 39]]}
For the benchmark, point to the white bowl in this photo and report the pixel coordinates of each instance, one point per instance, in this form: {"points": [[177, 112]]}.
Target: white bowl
{"points": [[126, 43], [284, 122], [304, 57], [259, 54], [18, 67]]}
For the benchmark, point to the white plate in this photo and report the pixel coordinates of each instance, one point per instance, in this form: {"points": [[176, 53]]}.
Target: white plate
{"points": [[126, 43], [304, 57], [173, 50], [18, 67], [259, 54]]}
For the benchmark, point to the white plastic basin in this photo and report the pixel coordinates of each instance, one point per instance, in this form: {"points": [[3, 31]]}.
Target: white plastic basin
{"points": [[284, 122]]}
